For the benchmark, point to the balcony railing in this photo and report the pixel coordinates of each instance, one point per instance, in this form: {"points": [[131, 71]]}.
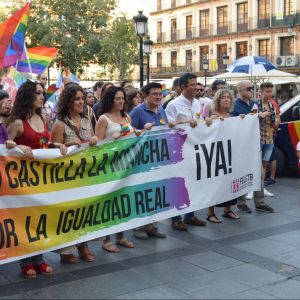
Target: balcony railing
{"points": [[287, 62], [233, 27]]}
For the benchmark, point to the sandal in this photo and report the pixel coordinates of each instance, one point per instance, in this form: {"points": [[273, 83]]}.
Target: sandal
{"points": [[230, 215], [213, 219], [69, 259], [110, 247], [44, 269], [29, 271], [125, 243], [85, 254]]}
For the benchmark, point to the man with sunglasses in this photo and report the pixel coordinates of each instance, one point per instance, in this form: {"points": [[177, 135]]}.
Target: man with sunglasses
{"points": [[243, 106]]}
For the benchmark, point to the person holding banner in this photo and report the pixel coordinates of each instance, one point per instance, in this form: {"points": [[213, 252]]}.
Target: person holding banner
{"points": [[185, 109], [144, 116], [222, 103], [114, 123], [5, 107], [73, 127], [28, 128]]}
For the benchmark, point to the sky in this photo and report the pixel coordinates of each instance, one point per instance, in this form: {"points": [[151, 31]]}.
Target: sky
{"points": [[131, 7]]}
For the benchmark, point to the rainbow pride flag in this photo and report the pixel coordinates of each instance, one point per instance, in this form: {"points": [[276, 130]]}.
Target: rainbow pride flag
{"points": [[12, 37], [164, 90], [39, 58], [50, 92]]}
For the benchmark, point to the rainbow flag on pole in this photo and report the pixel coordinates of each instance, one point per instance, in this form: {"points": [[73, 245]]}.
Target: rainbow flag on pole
{"points": [[39, 58], [12, 37], [164, 90]]}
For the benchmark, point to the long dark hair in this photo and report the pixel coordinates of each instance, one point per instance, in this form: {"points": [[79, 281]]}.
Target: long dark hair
{"points": [[25, 97], [129, 98], [108, 100], [66, 99]]}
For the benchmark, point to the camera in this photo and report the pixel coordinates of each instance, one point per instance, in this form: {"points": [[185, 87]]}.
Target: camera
{"points": [[273, 117]]}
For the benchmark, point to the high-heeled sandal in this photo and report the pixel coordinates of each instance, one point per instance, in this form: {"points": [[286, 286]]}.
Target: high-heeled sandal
{"points": [[29, 271], [85, 254], [44, 269]]}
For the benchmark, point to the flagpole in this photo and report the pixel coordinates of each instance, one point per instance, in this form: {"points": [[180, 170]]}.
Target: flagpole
{"points": [[29, 65]]}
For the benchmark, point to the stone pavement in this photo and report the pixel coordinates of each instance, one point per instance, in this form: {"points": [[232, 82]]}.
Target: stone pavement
{"points": [[257, 257]]}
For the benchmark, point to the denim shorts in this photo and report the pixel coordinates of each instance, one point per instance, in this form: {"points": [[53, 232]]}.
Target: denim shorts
{"points": [[266, 151]]}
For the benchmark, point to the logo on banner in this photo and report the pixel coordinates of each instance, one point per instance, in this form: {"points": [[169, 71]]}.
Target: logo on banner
{"points": [[241, 183]]}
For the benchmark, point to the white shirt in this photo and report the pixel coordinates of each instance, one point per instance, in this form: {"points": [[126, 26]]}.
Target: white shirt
{"points": [[182, 109]]}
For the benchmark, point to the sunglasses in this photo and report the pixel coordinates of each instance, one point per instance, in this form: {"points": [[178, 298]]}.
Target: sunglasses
{"points": [[250, 88], [200, 90]]}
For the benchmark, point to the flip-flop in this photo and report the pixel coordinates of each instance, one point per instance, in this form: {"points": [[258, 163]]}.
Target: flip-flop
{"points": [[125, 243], [228, 215], [210, 219], [110, 247]]}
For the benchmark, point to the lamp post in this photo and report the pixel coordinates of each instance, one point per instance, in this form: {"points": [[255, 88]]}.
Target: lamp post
{"points": [[205, 66], [141, 28], [148, 50]]}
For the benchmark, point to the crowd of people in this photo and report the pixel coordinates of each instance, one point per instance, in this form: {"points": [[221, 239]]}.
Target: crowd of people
{"points": [[108, 111]]}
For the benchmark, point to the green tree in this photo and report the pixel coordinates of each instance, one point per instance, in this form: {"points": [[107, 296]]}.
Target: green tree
{"points": [[119, 48], [74, 27]]}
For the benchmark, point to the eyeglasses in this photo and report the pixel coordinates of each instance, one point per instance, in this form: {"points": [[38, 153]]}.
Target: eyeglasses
{"points": [[250, 88], [156, 94], [200, 90]]}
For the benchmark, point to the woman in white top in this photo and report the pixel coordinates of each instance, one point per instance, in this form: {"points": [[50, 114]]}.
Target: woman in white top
{"points": [[114, 123]]}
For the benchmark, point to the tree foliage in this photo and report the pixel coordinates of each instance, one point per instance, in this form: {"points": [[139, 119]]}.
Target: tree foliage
{"points": [[75, 27], [119, 48]]}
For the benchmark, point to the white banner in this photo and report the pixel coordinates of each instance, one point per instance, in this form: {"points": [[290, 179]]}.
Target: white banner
{"points": [[49, 203]]}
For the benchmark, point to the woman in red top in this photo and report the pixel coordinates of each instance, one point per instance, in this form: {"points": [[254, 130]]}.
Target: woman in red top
{"points": [[27, 128]]}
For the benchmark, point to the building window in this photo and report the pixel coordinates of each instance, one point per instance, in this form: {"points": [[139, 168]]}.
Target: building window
{"points": [[188, 24], [222, 19], [288, 7], [242, 16], [188, 1], [203, 54], [188, 59], [264, 48], [159, 60], [173, 30], [287, 46], [173, 4], [173, 59], [204, 22], [263, 13], [241, 49], [159, 32], [158, 5], [222, 50]]}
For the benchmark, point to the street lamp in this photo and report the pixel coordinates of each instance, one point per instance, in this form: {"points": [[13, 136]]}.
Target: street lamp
{"points": [[205, 66], [148, 50], [225, 60], [141, 29]]}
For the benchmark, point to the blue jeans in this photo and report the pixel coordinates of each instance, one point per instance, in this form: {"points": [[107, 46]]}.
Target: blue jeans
{"points": [[187, 216], [35, 260]]}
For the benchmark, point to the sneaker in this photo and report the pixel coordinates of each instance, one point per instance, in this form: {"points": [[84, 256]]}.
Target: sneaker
{"points": [[264, 208], [267, 193], [194, 221], [244, 208], [140, 234], [270, 181], [154, 232], [250, 196], [179, 225]]}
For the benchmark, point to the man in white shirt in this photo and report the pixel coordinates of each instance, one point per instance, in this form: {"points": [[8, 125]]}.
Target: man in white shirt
{"points": [[185, 109]]}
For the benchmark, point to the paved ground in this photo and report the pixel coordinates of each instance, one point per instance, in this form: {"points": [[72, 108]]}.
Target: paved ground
{"points": [[257, 257]]}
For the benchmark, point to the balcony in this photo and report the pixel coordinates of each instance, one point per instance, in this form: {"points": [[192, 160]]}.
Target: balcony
{"points": [[167, 70], [232, 28]]}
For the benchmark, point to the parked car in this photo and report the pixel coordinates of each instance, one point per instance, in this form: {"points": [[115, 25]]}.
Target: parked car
{"points": [[288, 135]]}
